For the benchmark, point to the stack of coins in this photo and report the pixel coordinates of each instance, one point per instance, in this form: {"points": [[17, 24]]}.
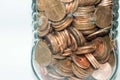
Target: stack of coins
{"points": [[74, 41]]}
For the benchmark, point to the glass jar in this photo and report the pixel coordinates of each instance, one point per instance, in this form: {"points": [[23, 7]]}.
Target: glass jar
{"points": [[75, 39]]}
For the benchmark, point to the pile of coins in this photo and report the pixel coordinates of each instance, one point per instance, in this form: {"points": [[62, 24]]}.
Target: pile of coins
{"points": [[74, 39]]}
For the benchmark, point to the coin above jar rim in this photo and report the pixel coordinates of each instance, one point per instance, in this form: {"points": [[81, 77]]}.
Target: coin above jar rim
{"points": [[43, 54]]}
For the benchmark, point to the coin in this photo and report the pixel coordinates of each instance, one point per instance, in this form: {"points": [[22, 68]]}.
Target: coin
{"points": [[66, 65], [53, 42], [56, 10], [101, 48], [67, 52], [75, 35], [86, 2], [43, 32], [82, 38], [103, 16], [59, 44], [62, 40], [42, 54], [79, 72], [112, 59], [42, 23], [81, 61], [62, 72], [92, 60], [66, 1], [106, 3], [39, 14], [53, 74], [73, 78], [64, 24], [74, 6], [84, 10], [87, 32], [97, 1], [83, 18], [88, 48], [82, 26], [40, 5], [41, 70], [108, 50], [54, 77], [103, 72], [100, 32], [74, 45], [58, 56]]}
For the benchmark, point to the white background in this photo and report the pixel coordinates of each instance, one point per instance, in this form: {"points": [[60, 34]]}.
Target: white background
{"points": [[16, 40]]}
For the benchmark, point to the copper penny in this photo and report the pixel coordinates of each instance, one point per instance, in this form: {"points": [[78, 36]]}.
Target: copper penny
{"points": [[53, 42], [40, 5], [83, 26], [86, 2], [66, 1], [42, 23], [106, 3], [58, 56], [74, 45], [43, 54], [75, 35], [87, 32], [100, 32], [74, 6], [63, 25], [86, 49], [82, 38], [101, 48], [79, 72], [42, 32], [103, 16], [81, 61], [92, 60], [56, 10]]}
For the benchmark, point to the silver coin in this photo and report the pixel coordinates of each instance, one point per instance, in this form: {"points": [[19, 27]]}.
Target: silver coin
{"points": [[103, 72]]}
